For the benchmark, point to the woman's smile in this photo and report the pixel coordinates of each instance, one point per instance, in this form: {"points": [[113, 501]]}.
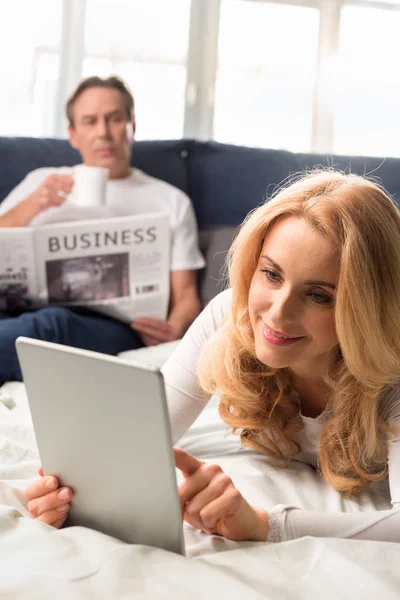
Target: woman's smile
{"points": [[277, 338]]}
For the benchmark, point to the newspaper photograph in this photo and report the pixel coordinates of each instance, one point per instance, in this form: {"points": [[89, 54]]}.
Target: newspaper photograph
{"points": [[88, 279], [117, 266]]}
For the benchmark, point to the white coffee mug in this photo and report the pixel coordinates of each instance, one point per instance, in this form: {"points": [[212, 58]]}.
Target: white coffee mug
{"points": [[89, 187]]}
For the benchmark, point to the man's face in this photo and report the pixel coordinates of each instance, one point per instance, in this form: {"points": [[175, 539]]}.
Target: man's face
{"points": [[102, 132]]}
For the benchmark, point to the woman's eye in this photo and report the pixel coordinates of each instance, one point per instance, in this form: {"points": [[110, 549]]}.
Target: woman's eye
{"points": [[321, 299], [271, 275]]}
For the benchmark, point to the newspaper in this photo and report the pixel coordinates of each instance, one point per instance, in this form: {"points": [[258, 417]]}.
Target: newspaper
{"points": [[117, 266]]}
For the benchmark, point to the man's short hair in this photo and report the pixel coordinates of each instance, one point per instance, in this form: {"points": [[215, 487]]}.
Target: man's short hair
{"points": [[113, 82]]}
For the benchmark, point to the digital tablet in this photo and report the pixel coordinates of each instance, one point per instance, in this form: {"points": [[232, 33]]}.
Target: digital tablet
{"points": [[102, 428]]}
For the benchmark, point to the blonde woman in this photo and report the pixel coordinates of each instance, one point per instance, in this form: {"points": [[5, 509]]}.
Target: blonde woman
{"points": [[304, 351]]}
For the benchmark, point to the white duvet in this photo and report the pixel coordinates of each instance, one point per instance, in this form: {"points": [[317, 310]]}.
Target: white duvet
{"points": [[37, 561]]}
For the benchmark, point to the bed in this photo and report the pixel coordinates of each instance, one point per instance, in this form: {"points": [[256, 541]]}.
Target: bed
{"points": [[37, 561]]}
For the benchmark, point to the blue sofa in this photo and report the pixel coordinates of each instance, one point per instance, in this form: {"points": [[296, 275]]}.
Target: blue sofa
{"points": [[223, 181]]}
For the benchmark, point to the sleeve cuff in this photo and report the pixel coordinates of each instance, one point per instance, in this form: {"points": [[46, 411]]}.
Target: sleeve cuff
{"points": [[276, 523]]}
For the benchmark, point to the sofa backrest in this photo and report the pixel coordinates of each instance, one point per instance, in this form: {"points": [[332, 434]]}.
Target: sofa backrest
{"points": [[19, 156], [223, 181], [226, 182]]}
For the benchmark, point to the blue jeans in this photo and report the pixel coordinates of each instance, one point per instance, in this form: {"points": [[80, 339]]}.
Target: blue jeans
{"points": [[77, 327]]}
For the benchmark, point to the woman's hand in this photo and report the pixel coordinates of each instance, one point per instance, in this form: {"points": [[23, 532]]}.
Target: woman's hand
{"points": [[47, 502], [210, 502]]}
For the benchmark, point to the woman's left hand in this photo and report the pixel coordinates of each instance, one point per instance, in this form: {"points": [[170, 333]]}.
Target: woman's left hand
{"points": [[210, 502]]}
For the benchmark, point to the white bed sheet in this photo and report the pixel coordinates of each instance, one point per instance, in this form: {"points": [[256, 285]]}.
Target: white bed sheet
{"points": [[37, 561]]}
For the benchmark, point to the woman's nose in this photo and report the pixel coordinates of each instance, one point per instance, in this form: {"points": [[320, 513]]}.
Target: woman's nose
{"points": [[284, 308]]}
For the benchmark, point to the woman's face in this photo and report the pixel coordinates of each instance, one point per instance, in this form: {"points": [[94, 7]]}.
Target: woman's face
{"points": [[291, 299]]}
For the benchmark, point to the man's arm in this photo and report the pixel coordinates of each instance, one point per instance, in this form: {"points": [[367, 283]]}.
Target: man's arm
{"points": [[52, 192], [22, 214], [184, 308], [185, 302]]}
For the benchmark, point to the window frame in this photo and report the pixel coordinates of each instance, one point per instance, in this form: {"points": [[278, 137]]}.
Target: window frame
{"points": [[202, 63]]}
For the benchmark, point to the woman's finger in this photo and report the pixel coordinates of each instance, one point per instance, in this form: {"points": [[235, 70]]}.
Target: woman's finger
{"points": [[197, 483], [215, 489], [55, 518], [53, 500], [41, 487], [186, 463], [222, 508]]}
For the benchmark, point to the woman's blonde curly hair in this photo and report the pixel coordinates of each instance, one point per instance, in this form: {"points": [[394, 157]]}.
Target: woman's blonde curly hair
{"points": [[256, 401]]}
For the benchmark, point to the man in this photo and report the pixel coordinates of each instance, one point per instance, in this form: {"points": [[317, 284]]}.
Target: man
{"points": [[101, 127]]}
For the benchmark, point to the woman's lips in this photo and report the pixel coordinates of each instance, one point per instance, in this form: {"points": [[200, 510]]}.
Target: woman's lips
{"points": [[276, 338]]}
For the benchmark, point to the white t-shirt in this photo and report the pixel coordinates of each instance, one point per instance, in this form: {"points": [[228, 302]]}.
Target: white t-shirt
{"points": [[186, 401], [136, 194]]}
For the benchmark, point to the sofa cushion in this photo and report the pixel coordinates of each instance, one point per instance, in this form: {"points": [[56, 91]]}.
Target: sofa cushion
{"points": [[214, 244], [385, 171], [166, 160], [227, 181]]}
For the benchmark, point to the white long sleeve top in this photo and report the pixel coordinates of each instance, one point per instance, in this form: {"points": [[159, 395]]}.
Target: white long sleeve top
{"points": [[186, 400]]}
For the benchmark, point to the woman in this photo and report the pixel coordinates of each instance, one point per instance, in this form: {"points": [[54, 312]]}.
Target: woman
{"points": [[304, 350]]}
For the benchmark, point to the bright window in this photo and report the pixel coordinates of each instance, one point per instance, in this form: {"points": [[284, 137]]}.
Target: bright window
{"points": [[269, 63], [145, 42], [367, 83], [266, 74], [383, 1], [30, 34]]}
